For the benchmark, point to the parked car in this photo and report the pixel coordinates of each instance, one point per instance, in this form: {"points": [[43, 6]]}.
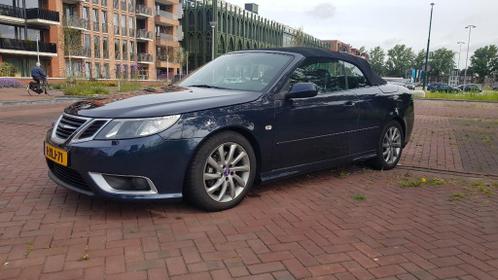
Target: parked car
{"points": [[442, 87], [246, 117], [470, 88], [495, 86]]}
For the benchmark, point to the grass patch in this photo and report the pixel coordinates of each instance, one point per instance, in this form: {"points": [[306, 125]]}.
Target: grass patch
{"points": [[486, 95], [486, 189], [359, 197], [456, 196], [129, 86]]}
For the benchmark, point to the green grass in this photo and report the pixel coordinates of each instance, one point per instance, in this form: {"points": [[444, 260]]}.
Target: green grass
{"points": [[486, 95], [359, 197], [85, 89], [129, 86]]}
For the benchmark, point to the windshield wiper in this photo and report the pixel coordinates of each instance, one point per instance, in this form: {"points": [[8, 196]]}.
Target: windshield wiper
{"points": [[207, 86]]}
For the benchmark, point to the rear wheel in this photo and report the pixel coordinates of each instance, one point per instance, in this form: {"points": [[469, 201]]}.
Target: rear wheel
{"points": [[389, 148], [221, 173]]}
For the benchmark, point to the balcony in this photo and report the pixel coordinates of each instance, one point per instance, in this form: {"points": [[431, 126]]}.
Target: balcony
{"points": [[144, 58], [78, 54], [166, 18], [168, 40], [76, 23], [41, 16], [24, 47], [144, 35], [168, 2], [166, 61], [37, 16], [143, 11], [10, 14]]}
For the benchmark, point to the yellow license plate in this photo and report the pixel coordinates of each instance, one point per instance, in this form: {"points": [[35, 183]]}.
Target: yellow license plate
{"points": [[56, 154]]}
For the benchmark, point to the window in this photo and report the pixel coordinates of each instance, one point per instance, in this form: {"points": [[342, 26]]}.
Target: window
{"points": [[329, 75], [123, 25], [247, 71], [116, 24], [96, 46], [106, 71], [125, 50], [117, 49], [105, 47], [88, 70], [86, 42], [104, 21], [86, 16], [98, 74], [95, 20]]}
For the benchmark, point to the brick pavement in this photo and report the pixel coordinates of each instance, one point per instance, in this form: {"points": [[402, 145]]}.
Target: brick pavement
{"points": [[313, 226]]}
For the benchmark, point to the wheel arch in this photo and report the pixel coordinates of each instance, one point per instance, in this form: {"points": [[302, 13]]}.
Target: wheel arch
{"points": [[243, 131]]}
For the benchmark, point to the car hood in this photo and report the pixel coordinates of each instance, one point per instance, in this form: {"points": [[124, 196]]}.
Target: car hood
{"points": [[143, 105]]}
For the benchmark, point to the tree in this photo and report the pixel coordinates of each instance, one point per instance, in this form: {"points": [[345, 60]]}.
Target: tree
{"points": [[72, 45], [298, 37], [442, 62], [399, 60], [377, 58], [419, 61], [484, 61]]}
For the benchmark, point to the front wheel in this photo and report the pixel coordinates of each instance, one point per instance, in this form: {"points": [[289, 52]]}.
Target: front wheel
{"points": [[389, 148], [221, 173]]}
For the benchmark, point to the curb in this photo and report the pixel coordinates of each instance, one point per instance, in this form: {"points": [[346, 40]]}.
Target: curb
{"points": [[55, 100], [456, 100]]}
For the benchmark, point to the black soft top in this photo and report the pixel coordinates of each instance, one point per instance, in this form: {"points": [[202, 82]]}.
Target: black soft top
{"points": [[316, 53]]}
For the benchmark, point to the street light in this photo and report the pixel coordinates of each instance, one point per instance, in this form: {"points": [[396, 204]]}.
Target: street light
{"points": [[460, 43], [213, 26], [427, 50], [469, 27]]}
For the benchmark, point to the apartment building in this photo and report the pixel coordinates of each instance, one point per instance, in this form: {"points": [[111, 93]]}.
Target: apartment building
{"points": [[93, 39], [339, 46]]}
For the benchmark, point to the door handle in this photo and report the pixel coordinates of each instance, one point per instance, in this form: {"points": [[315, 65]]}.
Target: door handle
{"points": [[350, 103]]}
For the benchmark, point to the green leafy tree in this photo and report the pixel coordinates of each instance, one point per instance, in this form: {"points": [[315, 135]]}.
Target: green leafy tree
{"points": [[72, 46], [298, 38], [419, 61], [7, 69], [399, 60], [484, 61], [377, 59], [442, 62]]}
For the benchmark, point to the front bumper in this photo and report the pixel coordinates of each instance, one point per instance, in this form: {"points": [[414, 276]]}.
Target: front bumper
{"points": [[162, 162]]}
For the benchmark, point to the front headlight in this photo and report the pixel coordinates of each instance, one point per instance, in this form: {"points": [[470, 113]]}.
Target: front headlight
{"points": [[133, 128]]}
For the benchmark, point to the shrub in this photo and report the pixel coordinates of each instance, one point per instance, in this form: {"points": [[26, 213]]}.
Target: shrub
{"points": [[7, 70], [82, 89], [9, 83]]}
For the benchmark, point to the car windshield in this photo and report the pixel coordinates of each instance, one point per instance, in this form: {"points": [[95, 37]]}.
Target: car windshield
{"points": [[239, 71]]}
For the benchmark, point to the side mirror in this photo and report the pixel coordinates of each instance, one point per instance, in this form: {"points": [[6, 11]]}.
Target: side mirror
{"points": [[302, 90]]}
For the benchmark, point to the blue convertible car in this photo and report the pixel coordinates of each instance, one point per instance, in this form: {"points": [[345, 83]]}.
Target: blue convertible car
{"points": [[246, 117]]}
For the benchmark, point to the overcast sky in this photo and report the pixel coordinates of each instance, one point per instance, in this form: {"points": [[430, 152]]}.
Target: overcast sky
{"points": [[371, 23]]}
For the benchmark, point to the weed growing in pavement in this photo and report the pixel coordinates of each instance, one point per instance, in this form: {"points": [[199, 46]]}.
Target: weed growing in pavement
{"points": [[422, 181], [342, 173], [29, 249], [457, 196], [359, 197], [483, 187]]}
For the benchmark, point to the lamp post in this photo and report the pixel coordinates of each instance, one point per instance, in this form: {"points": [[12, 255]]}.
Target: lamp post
{"points": [[427, 49], [460, 43], [213, 27], [469, 27]]}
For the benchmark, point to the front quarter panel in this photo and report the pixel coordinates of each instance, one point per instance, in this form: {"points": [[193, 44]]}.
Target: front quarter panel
{"points": [[253, 119]]}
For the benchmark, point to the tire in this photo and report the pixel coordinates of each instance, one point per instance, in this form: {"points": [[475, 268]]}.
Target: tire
{"points": [[213, 187], [386, 147]]}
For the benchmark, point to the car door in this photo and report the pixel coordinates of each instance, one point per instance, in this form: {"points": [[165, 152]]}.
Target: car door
{"points": [[371, 107], [315, 128]]}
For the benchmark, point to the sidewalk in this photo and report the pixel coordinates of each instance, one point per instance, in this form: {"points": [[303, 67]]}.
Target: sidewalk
{"points": [[19, 96]]}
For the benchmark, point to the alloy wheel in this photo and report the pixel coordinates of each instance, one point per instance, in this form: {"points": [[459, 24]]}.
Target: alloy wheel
{"points": [[391, 145], [226, 172]]}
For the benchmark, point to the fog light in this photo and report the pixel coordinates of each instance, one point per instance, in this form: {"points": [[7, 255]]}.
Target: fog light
{"points": [[125, 183]]}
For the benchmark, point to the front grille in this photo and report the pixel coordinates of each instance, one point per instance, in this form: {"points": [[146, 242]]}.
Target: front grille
{"points": [[68, 176], [68, 125], [92, 129]]}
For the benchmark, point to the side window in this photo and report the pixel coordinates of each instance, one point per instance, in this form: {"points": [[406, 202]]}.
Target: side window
{"points": [[328, 75], [356, 79]]}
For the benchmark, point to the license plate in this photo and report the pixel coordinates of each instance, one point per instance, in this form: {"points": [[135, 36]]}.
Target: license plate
{"points": [[56, 154]]}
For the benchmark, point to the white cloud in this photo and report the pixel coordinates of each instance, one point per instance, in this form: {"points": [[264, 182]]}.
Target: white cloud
{"points": [[322, 11]]}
